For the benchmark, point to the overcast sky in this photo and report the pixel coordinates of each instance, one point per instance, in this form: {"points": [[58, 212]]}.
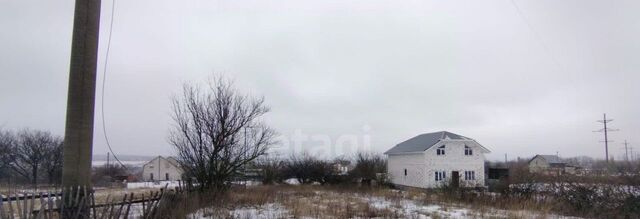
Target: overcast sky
{"points": [[353, 73]]}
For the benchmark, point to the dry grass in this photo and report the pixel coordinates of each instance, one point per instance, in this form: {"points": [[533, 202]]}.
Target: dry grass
{"points": [[310, 201], [347, 201]]}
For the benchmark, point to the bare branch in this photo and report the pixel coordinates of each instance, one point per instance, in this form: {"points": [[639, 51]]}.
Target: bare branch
{"points": [[217, 131]]}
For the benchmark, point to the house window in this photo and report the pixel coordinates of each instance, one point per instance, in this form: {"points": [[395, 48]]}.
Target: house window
{"points": [[405, 172], [468, 151], [440, 175], [440, 150], [166, 176], [469, 175], [151, 176]]}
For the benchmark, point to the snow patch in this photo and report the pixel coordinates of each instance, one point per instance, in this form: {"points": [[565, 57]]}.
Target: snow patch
{"points": [[158, 184]]}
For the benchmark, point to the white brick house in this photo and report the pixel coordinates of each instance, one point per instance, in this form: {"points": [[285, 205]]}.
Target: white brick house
{"points": [[433, 159], [161, 169]]}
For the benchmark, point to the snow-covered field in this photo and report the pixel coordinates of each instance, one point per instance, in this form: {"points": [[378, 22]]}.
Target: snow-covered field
{"points": [[407, 209], [320, 203], [412, 209]]}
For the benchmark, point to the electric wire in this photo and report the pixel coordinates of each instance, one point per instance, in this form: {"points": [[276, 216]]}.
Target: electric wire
{"points": [[536, 35], [104, 80]]}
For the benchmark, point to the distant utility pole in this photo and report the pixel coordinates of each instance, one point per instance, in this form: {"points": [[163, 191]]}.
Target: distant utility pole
{"points": [[626, 150], [78, 136], [606, 137]]}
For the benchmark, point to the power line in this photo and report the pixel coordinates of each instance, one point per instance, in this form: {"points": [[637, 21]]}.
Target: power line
{"points": [[536, 35], [104, 80], [606, 130]]}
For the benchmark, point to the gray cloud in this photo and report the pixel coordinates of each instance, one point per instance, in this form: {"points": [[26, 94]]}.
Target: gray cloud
{"points": [[332, 67]]}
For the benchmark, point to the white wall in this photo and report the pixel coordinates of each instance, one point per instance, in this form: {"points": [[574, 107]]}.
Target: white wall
{"points": [[160, 167], [416, 169], [421, 167], [455, 160]]}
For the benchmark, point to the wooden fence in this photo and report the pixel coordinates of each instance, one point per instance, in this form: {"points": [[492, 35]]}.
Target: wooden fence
{"points": [[50, 205]]}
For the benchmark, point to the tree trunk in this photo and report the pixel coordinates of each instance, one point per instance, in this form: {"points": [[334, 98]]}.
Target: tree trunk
{"points": [[34, 175]]}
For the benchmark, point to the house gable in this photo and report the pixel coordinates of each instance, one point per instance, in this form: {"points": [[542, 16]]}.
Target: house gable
{"points": [[426, 167]]}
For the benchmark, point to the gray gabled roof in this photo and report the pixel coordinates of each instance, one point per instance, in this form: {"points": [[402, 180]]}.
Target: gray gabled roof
{"points": [[171, 160], [551, 159], [423, 142]]}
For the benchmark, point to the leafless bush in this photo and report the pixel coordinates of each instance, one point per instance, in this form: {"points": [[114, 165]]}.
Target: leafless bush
{"points": [[217, 131], [272, 169], [370, 167], [104, 175], [307, 169], [598, 199]]}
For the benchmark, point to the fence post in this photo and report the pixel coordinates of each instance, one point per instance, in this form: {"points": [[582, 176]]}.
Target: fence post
{"points": [[104, 209], [93, 203], [11, 214], [19, 208], [131, 199], [51, 206]]}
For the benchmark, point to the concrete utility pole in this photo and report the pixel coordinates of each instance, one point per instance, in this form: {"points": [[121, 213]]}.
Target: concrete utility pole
{"points": [[606, 137], [78, 137]]}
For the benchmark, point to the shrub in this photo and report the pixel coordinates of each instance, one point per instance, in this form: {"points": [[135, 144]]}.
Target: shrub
{"points": [[307, 169], [370, 167]]}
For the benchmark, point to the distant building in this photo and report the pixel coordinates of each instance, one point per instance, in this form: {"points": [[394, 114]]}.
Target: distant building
{"points": [[497, 173], [551, 165], [161, 168], [342, 167], [435, 159]]}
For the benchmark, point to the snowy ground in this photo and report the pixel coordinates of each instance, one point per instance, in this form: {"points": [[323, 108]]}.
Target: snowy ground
{"points": [[160, 184], [408, 210], [139, 163], [412, 209], [331, 204], [267, 211], [600, 188]]}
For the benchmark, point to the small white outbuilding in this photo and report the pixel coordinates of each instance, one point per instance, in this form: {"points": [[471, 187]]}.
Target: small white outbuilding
{"points": [[435, 159], [161, 169]]}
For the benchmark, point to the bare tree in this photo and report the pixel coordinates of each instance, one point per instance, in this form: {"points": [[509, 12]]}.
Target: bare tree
{"points": [[217, 131], [31, 151], [53, 163], [272, 169], [307, 169], [298, 167], [369, 167], [7, 143]]}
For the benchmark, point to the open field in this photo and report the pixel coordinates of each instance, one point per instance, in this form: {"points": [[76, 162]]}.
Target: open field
{"points": [[310, 201]]}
